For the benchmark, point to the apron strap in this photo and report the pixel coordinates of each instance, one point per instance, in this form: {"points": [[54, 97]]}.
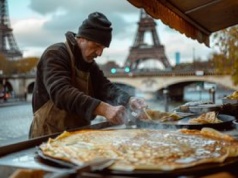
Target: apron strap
{"points": [[72, 59]]}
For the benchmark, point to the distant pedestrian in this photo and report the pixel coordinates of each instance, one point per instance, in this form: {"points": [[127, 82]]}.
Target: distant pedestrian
{"points": [[25, 95]]}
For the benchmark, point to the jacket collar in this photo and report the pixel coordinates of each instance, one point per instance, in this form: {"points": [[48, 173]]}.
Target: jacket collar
{"points": [[81, 64]]}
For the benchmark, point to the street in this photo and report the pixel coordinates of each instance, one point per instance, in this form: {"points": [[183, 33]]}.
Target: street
{"points": [[15, 120]]}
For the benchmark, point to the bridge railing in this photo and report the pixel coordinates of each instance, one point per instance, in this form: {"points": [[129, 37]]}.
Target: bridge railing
{"points": [[140, 73]]}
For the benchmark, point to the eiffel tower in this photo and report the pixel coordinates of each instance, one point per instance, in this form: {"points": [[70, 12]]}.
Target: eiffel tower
{"points": [[8, 45], [140, 51]]}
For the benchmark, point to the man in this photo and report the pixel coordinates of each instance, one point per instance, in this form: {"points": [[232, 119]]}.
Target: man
{"points": [[70, 89]]}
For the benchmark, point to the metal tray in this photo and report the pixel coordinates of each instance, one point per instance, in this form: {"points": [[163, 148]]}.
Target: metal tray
{"points": [[229, 101], [183, 123], [205, 108]]}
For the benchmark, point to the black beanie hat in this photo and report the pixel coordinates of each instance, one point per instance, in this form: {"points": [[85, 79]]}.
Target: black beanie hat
{"points": [[96, 28]]}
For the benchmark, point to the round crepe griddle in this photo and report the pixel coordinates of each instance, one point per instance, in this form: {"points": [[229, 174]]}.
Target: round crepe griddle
{"points": [[226, 123], [199, 170]]}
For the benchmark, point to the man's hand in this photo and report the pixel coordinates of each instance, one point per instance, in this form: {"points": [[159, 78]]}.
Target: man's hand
{"points": [[114, 114], [137, 103]]}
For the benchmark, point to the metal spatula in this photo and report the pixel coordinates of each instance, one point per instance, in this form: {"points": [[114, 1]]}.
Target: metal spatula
{"points": [[94, 165], [146, 114]]}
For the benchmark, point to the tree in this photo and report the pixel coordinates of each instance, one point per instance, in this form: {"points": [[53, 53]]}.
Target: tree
{"points": [[20, 66], [226, 60], [5, 65], [2, 63], [25, 65]]}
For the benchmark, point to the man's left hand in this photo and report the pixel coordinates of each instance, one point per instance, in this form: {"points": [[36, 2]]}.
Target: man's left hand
{"points": [[137, 103]]}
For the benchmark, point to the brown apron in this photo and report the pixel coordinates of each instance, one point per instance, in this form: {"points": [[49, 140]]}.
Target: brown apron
{"points": [[49, 119]]}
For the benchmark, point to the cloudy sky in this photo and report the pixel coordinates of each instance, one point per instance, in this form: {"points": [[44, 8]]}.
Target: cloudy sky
{"points": [[39, 23]]}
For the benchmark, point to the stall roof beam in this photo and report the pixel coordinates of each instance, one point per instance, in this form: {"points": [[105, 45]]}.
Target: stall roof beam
{"points": [[197, 19]]}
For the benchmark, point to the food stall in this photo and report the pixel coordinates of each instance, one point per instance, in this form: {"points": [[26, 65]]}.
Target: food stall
{"points": [[26, 155], [191, 17]]}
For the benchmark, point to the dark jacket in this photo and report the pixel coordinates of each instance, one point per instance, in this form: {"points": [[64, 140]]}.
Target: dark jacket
{"points": [[54, 77]]}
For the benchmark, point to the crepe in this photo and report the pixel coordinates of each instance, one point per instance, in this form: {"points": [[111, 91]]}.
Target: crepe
{"points": [[206, 118], [160, 116], [143, 149]]}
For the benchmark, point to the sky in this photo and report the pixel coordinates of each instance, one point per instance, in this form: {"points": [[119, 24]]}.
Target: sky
{"points": [[39, 23]]}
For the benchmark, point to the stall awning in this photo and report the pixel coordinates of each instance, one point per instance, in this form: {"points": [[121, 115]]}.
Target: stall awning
{"points": [[196, 19]]}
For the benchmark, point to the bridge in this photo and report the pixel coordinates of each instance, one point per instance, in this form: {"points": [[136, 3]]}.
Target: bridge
{"points": [[149, 83], [152, 84]]}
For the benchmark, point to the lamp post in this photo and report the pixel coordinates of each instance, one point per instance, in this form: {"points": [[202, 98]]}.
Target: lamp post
{"points": [[4, 90], [199, 89], [166, 104], [212, 92]]}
